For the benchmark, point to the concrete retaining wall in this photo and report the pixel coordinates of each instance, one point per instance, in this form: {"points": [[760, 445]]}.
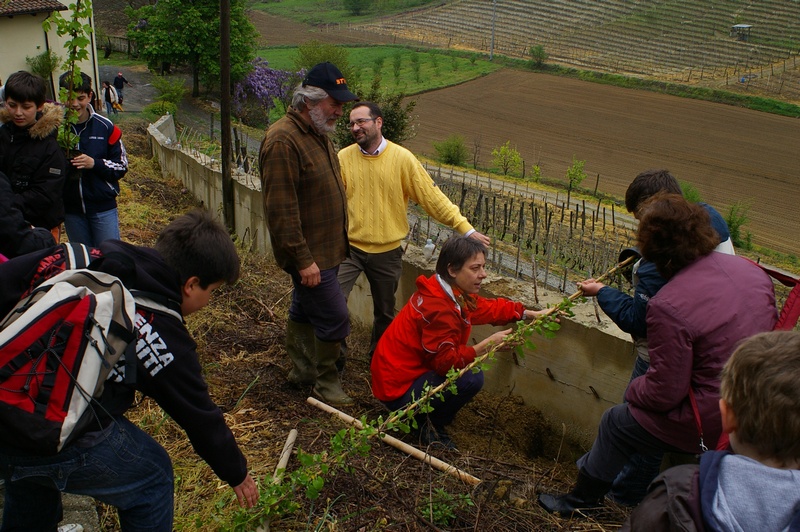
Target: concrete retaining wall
{"points": [[572, 378]]}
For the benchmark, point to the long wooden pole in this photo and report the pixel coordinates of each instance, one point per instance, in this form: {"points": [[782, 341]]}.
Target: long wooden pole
{"points": [[397, 444]]}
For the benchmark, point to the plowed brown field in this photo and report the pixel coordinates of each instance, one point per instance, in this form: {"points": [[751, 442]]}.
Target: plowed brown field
{"points": [[729, 154]]}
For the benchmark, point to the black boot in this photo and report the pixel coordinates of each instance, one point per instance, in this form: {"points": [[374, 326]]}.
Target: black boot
{"points": [[587, 493]]}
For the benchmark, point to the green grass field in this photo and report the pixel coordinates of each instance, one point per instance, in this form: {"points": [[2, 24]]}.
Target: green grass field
{"points": [[402, 70]]}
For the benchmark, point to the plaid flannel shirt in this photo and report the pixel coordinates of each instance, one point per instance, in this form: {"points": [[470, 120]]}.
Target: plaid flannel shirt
{"points": [[304, 197]]}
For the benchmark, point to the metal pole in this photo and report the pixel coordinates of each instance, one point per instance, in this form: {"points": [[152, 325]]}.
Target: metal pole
{"points": [[494, 17]]}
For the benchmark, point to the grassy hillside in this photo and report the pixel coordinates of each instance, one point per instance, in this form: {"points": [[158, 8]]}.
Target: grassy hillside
{"points": [[400, 69]]}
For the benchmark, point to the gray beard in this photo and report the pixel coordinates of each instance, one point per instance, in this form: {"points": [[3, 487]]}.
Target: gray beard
{"points": [[320, 122]]}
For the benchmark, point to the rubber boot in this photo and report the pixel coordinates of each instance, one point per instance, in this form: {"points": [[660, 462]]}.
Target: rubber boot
{"points": [[587, 493], [300, 348], [342, 360], [328, 386]]}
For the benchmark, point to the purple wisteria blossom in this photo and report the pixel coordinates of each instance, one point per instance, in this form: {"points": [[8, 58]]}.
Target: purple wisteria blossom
{"points": [[263, 89]]}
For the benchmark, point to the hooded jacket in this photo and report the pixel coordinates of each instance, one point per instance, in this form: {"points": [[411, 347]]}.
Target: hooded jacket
{"points": [[17, 237], [694, 323], [431, 333], [168, 367], [35, 165], [725, 492], [96, 190]]}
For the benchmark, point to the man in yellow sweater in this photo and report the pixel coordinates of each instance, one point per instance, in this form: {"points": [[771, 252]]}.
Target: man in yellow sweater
{"points": [[380, 177]]}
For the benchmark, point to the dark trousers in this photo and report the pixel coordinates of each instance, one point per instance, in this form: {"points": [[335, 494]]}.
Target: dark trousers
{"points": [[383, 272], [619, 437], [445, 409], [631, 484], [323, 306]]}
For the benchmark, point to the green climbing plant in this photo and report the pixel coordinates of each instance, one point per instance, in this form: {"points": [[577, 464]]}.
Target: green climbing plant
{"points": [[278, 496], [76, 30]]}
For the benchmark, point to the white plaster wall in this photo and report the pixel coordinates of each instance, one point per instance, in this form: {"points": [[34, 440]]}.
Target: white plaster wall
{"points": [[20, 36]]}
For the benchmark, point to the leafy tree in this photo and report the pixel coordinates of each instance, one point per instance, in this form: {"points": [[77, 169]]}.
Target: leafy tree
{"points": [[396, 62], [262, 90], [43, 65], [415, 67], [77, 31], [377, 66], [536, 173], [538, 56], [398, 118], [507, 158], [181, 32], [357, 7], [452, 150], [314, 52], [575, 175]]}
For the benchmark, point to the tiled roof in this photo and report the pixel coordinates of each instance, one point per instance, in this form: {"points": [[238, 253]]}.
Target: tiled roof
{"points": [[26, 7]]}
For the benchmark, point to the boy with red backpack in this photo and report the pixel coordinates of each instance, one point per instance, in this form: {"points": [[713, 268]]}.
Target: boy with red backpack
{"points": [[112, 460]]}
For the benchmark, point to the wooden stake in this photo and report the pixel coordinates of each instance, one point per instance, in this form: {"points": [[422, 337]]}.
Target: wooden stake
{"points": [[284, 459], [397, 444]]}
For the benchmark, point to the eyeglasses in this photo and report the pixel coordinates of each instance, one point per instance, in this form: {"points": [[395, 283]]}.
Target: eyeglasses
{"points": [[360, 122]]}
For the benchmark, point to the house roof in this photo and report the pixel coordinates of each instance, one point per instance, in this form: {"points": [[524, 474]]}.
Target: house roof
{"points": [[29, 7]]}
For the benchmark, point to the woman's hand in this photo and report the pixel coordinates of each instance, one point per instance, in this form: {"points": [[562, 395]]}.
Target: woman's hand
{"points": [[482, 347], [533, 314]]}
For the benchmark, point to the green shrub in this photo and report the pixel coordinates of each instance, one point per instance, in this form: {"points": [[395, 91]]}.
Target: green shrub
{"points": [[737, 217], [170, 90], [44, 64], [156, 110], [538, 56], [690, 193], [452, 150]]}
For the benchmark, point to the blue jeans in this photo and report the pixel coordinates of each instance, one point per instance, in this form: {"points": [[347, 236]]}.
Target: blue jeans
{"points": [[91, 229], [445, 409], [323, 306], [120, 465]]}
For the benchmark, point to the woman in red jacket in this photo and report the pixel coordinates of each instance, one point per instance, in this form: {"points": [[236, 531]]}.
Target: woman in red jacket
{"points": [[429, 336]]}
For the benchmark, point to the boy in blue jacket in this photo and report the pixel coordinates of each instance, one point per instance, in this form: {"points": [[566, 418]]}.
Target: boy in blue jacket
{"points": [[628, 313], [90, 194]]}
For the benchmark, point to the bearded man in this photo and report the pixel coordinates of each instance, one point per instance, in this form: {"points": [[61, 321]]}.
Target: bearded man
{"points": [[306, 212]]}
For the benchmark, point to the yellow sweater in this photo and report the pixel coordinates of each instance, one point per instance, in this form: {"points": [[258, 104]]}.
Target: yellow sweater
{"points": [[378, 189]]}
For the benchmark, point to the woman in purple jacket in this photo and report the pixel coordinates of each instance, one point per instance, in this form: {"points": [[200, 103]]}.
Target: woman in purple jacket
{"points": [[710, 303]]}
